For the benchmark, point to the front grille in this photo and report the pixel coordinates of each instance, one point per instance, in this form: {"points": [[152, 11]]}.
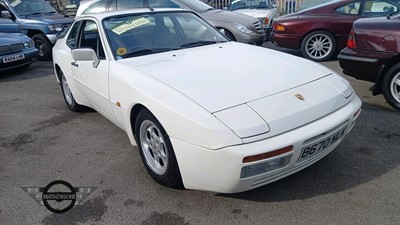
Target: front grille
{"points": [[16, 47], [6, 49], [257, 26]]}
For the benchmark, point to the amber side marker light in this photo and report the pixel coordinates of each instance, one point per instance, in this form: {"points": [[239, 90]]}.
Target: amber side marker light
{"points": [[267, 155], [278, 27]]}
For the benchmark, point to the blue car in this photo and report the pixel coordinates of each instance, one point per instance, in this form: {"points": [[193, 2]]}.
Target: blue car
{"points": [[16, 49]]}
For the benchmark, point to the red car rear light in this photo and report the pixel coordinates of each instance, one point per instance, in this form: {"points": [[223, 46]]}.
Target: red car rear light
{"points": [[351, 42]]}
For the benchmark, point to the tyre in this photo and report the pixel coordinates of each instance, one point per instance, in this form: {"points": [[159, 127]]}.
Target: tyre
{"points": [[391, 86], [156, 151], [318, 46], [68, 97], [43, 45]]}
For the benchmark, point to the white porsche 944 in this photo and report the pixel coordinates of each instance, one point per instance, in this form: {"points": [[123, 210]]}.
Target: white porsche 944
{"points": [[205, 113]]}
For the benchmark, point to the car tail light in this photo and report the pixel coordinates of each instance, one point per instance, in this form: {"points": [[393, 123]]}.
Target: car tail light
{"points": [[351, 42], [278, 27]]}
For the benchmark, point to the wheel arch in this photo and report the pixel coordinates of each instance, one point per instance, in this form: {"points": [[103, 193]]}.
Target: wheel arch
{"points": [[31, 33], [134, 112], [57, 71], [227, 30], [382, 73]]}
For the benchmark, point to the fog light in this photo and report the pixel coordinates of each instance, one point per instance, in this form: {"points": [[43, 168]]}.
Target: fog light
{"points": [[264, 167]]}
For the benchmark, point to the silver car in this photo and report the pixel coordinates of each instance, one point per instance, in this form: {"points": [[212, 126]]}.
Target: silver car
{"points": [[236, 26], [263, 10]]}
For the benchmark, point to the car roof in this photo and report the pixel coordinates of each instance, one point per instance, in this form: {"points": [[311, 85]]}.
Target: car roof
{"points": [[103, 15]]}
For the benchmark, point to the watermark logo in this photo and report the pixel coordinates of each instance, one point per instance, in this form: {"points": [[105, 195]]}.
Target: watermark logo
{"points": [[59, 196]]}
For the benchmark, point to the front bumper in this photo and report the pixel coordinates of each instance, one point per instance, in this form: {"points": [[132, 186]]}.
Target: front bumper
{"points": [[220, 170], [30, 57], [253, 38], [362, 64], [291, 41]]}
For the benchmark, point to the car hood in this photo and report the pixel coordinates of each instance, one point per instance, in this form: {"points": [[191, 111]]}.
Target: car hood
{"points": [[228, 16], [13, 38], [258, 13], [50, 19], [224, 75]]}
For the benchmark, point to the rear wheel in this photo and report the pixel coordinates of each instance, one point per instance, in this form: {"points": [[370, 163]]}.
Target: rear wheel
{"points": [[156, 151], [43, 45], [391, 86], [318, 46]]}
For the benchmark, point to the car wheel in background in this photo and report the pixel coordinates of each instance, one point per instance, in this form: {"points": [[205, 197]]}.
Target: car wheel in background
{"points": [[156, 150], [68, 97], [43, 45], [391, 86], [318, 46]]}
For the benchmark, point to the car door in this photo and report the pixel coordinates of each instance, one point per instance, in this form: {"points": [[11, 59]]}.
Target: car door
{"points": [[92, 81]]}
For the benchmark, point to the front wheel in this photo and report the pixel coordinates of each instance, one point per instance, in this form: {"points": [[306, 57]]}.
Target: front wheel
{"points": [[43, 45], [391, 86], [318, 46], [68, 97], [156, 151]]}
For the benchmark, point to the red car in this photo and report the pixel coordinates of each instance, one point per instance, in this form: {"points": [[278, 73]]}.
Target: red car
{"points": [[322, 31], [373, 54]]}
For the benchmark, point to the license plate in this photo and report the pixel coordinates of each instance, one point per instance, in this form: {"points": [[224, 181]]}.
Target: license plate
{"points": [[319, 146], [13, 58]]}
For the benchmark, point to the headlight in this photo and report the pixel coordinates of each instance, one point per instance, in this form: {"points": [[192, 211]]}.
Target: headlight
{"points": [[264, 20], [242, 28], [29, 44], [57, 27]]}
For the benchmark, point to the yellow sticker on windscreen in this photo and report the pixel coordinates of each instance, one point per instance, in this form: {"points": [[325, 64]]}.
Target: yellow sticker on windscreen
{"points": [[121, 51], [130, 25]]}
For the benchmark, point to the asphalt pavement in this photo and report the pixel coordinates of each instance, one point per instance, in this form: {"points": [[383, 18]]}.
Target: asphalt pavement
{"points": [[42, 141]]}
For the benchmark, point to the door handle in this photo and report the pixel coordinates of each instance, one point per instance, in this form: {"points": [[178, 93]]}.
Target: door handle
{"points": [[74, 64]]}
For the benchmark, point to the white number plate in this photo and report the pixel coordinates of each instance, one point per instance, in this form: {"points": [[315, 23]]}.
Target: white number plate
{"points": [[13, 58], [317, 147]]}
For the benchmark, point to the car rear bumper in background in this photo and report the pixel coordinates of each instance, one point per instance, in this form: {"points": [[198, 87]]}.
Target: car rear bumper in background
{"points": [[362, 64], [222, 170], [291, 41]]}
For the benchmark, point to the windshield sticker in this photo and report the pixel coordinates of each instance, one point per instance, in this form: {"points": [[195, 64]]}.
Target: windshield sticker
{"points": [[15, 3], [121, 51], [129, 25]]}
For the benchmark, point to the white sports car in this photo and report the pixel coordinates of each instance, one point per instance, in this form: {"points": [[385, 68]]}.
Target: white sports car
{"points": [[205, 113]]}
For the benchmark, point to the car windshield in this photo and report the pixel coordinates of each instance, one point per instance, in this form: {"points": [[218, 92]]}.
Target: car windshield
{"points": [[149, 33], [249, 4], [32, 7], [194, 5]]}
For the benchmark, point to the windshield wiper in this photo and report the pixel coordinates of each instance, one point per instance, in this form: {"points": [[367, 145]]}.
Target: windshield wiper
{"points": [[33, 14], [51, 12], [199, 43], [147, 51]]}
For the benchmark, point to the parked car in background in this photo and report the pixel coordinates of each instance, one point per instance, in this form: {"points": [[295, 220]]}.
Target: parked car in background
{"points": [[16, 49], [38, 20], [148, 71], [263, 10], [373, 54], [322, 31], [236, 26]]}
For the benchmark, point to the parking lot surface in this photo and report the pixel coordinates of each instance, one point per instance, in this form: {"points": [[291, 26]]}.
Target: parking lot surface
{"points": [[42, 141]]}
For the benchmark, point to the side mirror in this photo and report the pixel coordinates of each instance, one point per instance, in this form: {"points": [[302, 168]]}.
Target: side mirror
{"points": [[222, 31], [85, 54], [5, 14]]}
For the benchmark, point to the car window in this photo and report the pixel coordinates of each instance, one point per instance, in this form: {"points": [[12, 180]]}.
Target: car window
{"points": [[250, 4], [31, 7], [379, 7], [137, 35], [89, 38], [72, 37], [351, 8]]}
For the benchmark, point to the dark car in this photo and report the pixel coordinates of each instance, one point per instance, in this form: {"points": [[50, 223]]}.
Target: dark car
{"points": [[373, 54], [38, 20], [322, 31], [16, 49]]}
